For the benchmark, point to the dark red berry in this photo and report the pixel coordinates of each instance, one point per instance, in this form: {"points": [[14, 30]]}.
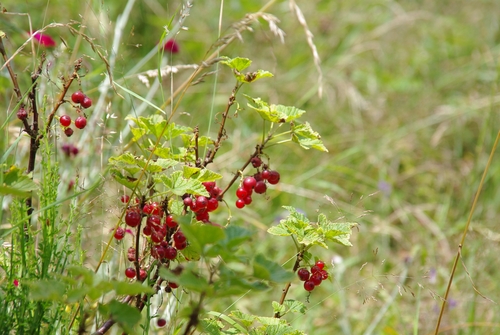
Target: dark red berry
{"points": [[309, 286], [315, 269], [248, 200], [143, 274], [74, 150], [161, 323], [172, 284], [212, 204], [158, 252], [68, 132], [249, 183], [171, 223], [320, 264], [201, 202], [209, 185], [215, 192], [77, 97], [65, 120], [324, 274], [203, 216], [316, 278], [241, 193], [130, 273], [22, 114], [181, 246], [170, 253], [80, 122], [303, 274], [157, 236], [179, 237], [258, 177], [119, 233], [131, 254], [256, 162], [260, 187], [132, 218], [86, 102], [147, 230], [154, 221], [265, 174], [124, 198], [188, 201], [274, 177], [240, 203]]}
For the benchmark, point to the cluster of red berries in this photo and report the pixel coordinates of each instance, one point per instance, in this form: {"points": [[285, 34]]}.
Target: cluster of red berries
{"points": [[81, 121], [166, 237], [313, 278], [256, 183], [201, 205], [69, 149]]}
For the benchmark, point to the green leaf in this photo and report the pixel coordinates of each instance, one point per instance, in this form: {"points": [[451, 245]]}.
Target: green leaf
{"points": [[189, 171], [238, 63], [201, 235], [274, 113], [16, 183], [127, 162], [279, 230], [277, 308], [126, 288], [245, 319], [180, 185], [126, 316], [295, 306], [47, 290], [188, 279], [269, 270], [339, 232], [307, 138]]}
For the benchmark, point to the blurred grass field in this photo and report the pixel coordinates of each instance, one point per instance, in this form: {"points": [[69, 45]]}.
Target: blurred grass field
{"points": [[409, 113]]}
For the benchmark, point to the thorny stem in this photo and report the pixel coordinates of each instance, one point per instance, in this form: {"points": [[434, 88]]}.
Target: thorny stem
{"points": [[300, 256]]}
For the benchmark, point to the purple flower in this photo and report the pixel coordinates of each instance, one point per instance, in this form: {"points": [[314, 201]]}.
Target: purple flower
{"points": [[171, 46], [384, 187], [44, 40]]}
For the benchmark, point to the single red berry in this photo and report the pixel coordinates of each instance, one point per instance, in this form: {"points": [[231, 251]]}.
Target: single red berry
{"points": [[171, 223], [22, 114], [203, 216], [146, 230], [77, 97], [124, 198], [249, 183], [179, 237], [158, 252], [241, 193], [143, 274], [240, 203], [80, 122], [309, 286], [65, 120], [215, 192], [130, 273], [68, 132], [157, 236], [74, 150], [201, 202], [316, 278], [256, 162], [86, 102], [320, 264], [171, 46], [315, 269], [258, 177], [172, 284], [161, 323], [132, 218], [324, 274], [303, 274], [188, 201], [265, 174], [260, 187], [181, 246], [154, 221], [212, 204], [170, 253], [119, 233], [131, 254], [274, 177], [248, 200], [209, 185]]}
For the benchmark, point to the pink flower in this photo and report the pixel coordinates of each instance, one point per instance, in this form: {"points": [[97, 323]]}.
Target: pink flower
{"points": [[44, 40], [171, 46], [16, 282]]}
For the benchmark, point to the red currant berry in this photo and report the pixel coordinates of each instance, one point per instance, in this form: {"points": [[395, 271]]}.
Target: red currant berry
{"points": [[274, 177], [130, 273], [249, 183], [131, 254], [158, 252], [188, 201], [316, 278], [86, 102], [119, 233], [132, 218], [203, 216], [320, 264], [256, 162], [209, 185], [241, 193], [124, 198], [260, 187], [181, 246], [201, 202], [240, 203], [80, 122], [324, 274], [65, 120], [147, 230], [309, 286], [154, 221], [248, 200], [171, 223], [170, 253], [77, 97], [161, 323], [22, 114], [171, 284], [303, 274], [143, 274], [315, 269], [74, 150], [157, 236], [155, 209], [212, 204], [68, 132], [215, 192], [258, 177], [179, 237], [265, 174]]}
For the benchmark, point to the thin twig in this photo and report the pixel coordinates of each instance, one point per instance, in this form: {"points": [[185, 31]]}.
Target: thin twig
{"points": [[300, 256]]}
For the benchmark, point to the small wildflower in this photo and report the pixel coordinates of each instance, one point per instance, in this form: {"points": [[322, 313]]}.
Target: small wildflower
{"points": [[171, 46], [44, 40], [16, 283]]}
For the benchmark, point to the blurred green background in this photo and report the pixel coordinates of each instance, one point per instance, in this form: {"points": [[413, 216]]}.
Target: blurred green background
{"points": [[408, 112]]}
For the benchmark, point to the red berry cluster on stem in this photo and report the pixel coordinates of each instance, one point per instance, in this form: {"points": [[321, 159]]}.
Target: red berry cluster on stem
{"points": [[81, 121], [314, 277], [201, 205]]}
